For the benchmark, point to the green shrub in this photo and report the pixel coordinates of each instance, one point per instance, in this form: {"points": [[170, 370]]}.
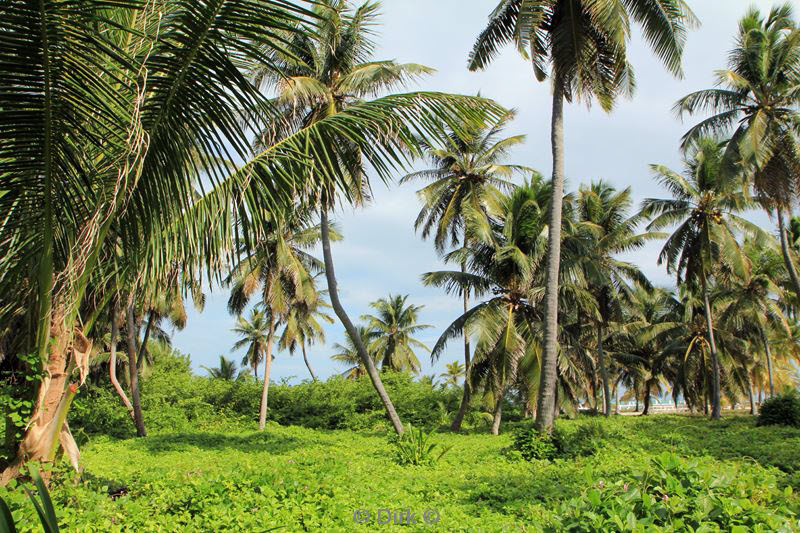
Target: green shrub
{"points": [[678, 495], [783, 410], [583, 441], [532, 444], [414, 448]]}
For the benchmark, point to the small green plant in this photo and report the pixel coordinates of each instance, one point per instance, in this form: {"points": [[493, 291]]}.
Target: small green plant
{"points": [[783, 410], [414, 448], [534, 445], [43, 504]]}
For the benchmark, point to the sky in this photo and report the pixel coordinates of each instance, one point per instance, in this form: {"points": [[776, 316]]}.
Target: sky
{"points": [[381, 254]]}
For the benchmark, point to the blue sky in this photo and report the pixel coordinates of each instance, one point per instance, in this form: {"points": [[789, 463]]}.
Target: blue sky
{"points": [[381, 254]]}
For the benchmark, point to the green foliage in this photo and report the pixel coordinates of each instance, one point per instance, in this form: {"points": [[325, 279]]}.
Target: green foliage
{"points": [[235, 478], [783, 410], [532, 444], [679, 495], [41, 502], [414, 448], [16, 402]]}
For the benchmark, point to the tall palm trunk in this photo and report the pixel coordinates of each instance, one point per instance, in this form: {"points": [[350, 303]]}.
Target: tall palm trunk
{"points": [[333, 292], [603, 371], [750, 395], [716, 412], [262, 415], [462, 409], [646, 410], [787, 256], [133, 371], [308, 364], [545, 408], [143, 348], [498, 410], [112, 359], [769, 360], [616, 397]]}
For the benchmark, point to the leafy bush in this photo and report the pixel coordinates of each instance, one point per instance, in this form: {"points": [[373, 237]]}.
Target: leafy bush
{"points": [[783, 410], [585, 440], [413, 448], [532, 444], [678, 495]]}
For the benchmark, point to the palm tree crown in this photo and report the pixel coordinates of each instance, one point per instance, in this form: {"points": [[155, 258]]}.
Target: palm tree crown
{"points": [[393, 326]]}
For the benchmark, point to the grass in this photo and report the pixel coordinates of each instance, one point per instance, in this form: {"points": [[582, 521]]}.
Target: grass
{"points": [[298, 479]]}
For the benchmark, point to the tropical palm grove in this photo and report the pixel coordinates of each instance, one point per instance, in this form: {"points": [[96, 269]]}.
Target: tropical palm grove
{"points": [[156, 153]]}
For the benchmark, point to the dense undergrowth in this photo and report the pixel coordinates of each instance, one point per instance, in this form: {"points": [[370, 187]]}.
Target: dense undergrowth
{"points": [[327, 462], [670, 472]]}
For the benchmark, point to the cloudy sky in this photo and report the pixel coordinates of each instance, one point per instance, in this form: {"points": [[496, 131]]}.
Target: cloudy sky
{"points": [[381, 254]]}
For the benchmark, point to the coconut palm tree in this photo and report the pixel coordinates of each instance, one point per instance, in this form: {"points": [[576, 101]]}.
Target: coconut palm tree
{"points": [[455, 371], [504, 262], [615, 232], [467, 174], [110, 113], [704, 206], [328, 72], [392, 328], [756, 102], [226, 370], [348, 353], [257, 335], [303, 325], [585, 45]]}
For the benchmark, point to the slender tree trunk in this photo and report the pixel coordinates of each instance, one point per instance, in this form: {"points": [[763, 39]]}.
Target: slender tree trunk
{"points": [[498, 411], [255, 371], [716, 412], [333, 292], [603, 371], [769, 360], [787, 255], [112, 359], [646, 410], [545, 409], [262, 415], [636, 395], [594, 389], [465, 398], [616, 397], [308, 363], [750, 393], [133, 371], [143, 347]]}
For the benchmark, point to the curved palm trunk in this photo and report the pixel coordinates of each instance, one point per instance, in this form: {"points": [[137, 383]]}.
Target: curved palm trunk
{"points": [[133, 370], [603, 371], [769, 360], [333, 292], [462, 409], [308, 364], [262, 414], [750, 395], [787, 257], [545, 408], [716, 411], [112, 360]]}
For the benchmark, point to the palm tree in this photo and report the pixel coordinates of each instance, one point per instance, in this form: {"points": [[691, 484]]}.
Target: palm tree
{"points": [[584, 42], [606, 210], [348, 353], [502, 261], [704, 205], [467, 174], [326, 73], [756, 101], [392, 328], [257, 335], [455, 371], [303, 326], [94, 161], [226, 370]]}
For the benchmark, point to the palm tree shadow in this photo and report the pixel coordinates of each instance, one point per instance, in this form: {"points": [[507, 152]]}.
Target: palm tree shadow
{"points": [[251, 442]]}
